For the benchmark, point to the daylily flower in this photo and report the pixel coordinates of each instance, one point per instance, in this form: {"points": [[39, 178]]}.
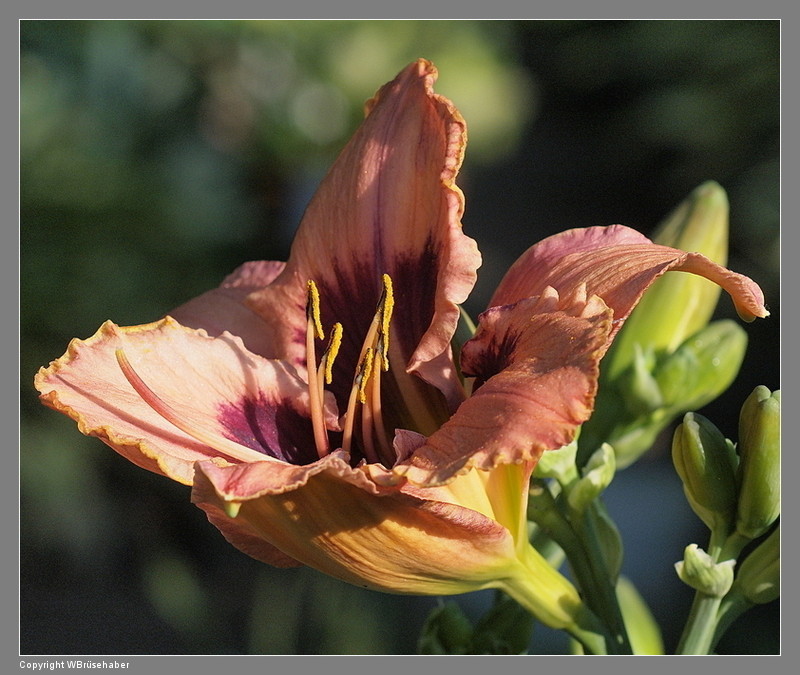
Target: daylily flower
{"points": [[379, 458]]}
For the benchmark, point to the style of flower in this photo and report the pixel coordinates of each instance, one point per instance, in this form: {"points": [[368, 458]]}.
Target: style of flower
{"points": [[384, 458]]}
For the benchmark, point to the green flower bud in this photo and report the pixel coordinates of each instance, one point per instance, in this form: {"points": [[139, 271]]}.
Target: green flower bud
{"points": [[706, 462], [597, 474], [703, 366], [758, 578], [678, 305], [643, 630], [759, 468], [698, 570]]}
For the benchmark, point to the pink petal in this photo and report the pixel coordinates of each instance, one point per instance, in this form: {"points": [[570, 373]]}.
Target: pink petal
{"points": [[536, 364], [388, 205], [618, 264], [236, 399], [225, 308]]}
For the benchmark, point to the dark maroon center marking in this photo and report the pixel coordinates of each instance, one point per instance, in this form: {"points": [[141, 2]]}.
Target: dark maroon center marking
{"points": [[273, 428]]}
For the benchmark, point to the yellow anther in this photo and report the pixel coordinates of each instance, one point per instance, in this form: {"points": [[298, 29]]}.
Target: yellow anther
{"points": [[312, 309], [364, 371], [332, 350], [387, 307]]}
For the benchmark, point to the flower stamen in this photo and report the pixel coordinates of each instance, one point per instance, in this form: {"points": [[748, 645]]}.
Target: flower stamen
{"points": [[314, 330], [366, 387], [385, 308]]}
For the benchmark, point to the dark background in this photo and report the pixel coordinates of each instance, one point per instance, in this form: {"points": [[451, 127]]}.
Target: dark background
{"points": [[157, 156]]}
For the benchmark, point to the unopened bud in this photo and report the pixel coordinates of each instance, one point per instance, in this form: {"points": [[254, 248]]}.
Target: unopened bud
{"points": [[655, 393], [446, 631], [703, 366], [698, 570], [706, 461], [637, 385], [759, 467]]}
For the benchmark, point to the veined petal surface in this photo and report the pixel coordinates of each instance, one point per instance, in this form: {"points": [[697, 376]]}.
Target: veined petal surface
{"points": [[399, 542], [236, 399], [618, 264], [536, 365], [389, 205]]}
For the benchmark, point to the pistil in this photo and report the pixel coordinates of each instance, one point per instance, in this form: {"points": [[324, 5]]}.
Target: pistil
{"points": [[223, 446]]}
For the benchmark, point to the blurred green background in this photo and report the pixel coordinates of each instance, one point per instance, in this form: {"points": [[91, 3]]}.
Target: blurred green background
{"points": [[156, 156]]}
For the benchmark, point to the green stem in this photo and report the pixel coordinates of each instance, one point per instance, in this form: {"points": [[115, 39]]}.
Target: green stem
{"points": [[598, 583], [708, 617], [590, 632], [587, 562], [701, 625]]}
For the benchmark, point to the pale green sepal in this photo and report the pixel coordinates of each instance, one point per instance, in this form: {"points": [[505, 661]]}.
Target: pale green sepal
{"points": [[698, 570], [643, 630]]}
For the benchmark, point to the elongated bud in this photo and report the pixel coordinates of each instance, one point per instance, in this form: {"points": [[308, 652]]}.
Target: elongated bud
{"points": [[608, 538], [698, 570], [706, 461], [639, 369], [759, 467], [703, 366], [758, 578], [678, 305]]}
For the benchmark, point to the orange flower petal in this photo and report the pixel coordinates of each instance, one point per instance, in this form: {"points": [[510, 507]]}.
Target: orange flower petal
{"points": [[536, 364], [399, 543]]}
